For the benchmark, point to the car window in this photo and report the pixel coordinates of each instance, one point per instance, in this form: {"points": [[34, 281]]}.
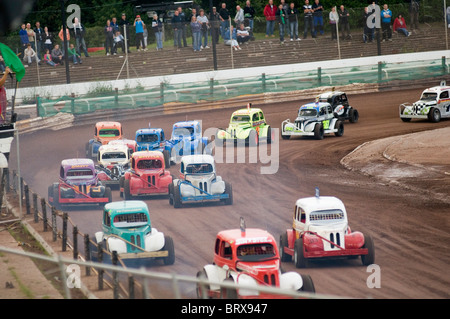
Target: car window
{"points": [[147, 138], [109, 132], [79, 173], [444, 95], [149, 164], [307, 112], [255, 117], [240, 118], [255, 252], [204, 168]]}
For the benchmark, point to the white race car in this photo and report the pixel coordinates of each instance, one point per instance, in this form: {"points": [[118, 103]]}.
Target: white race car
{"points": [[433, 105]]}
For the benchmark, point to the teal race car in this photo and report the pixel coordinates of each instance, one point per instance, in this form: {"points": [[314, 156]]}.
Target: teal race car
{"points": [[247, 126]]}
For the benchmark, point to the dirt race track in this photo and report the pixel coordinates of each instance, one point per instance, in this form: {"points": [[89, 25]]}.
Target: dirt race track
{"points": [[409, 225]]}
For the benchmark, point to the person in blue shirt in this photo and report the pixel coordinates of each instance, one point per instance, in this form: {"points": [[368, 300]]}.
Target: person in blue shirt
{"points": [[230, 38], [139, 25], [386, 16], [23, 38]]}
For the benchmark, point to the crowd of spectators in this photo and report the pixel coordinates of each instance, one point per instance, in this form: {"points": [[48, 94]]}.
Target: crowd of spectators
{"points": [[42, 46]]}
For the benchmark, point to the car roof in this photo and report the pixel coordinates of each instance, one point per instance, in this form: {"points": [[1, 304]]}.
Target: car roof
{"points": [[185, 123], [310, 204], [77, 162], [126, 206], [328, 94], [149, 131], [437, 89], [247, 111], [314, 105], [250, 236], [113, 148], [108, 124], [148, 155], [197, 159]]}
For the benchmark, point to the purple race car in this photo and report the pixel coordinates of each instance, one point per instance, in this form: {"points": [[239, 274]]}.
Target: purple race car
{"points": [[78, 184]]}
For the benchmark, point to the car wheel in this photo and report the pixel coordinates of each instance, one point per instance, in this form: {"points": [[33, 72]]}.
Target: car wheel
{"points": [[229, 191], [170, 247], [434, 115], [406, 119], [176, 197], [368, 259], [126, 190], [270, 136], [340, 128], [284, 137], [121, 180], [171, 194], [108, 194], [56, 196], [284, 243], [202, 290], [308, 284], [354, 116], [299, 258], [228, 293], [166, 158], [318, 131]]}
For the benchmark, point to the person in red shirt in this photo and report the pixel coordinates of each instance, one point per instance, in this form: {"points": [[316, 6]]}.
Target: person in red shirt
{"points": [[270, 13], [400, 26]]}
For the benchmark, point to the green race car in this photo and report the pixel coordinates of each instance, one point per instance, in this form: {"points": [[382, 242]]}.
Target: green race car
{"points": [[248, 126]]}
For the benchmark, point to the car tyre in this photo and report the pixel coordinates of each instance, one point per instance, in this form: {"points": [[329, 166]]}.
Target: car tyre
{"points": [[434, 115], [340, 128], [354, 116], [299, 258], [166, 158], [176, 197], [253, 138], [229, 191], [368, 259], [308, 284], [284, 243], [318, 131], [202, 275], [228, 293], [126, 190], [170, 247], [171, 194]]}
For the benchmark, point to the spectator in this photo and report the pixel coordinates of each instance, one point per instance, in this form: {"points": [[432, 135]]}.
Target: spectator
{"points": [[281, 16], [344, 23], [79, 31], [224, 18], [334, 19], [48, 39], [125, 31], [74, 55], [249, 13], [196, 29], [239, 17], [177, 23], [139, 25], [318, 17], [109, 37], [48, 58], [308, 19], [242, 34], [386, 15], [183, 25], [270, 13], [368, 34], [61, 36], [414, 6], [57, 55], [23, 37], [39, 32], [115, 25], [293, 22], [203, 20], [230, 38], [189, 18], [2, 64], [157, 29], [119, 42], [400, 26], [31, 36], [215, 25], [29, 55]]}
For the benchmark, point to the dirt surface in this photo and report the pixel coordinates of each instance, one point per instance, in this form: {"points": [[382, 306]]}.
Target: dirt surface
{"points": [[409, 226]]}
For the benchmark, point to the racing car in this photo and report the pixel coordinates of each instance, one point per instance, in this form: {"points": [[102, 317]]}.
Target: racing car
{"points": [[186, 139], [248, 257], [246, 125], [198, 182], [314, 119], [127, 230], [78, 184], [112, 161], [340, 105], [434, 104], [146, 176], [320, 230], [104, 132], [152, 139]]}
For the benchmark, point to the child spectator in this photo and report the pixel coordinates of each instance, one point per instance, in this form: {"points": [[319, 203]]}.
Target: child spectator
{"points": [[48, 58]]}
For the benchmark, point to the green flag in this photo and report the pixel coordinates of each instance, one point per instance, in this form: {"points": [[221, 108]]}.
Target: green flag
{"points": [[12, 61]]}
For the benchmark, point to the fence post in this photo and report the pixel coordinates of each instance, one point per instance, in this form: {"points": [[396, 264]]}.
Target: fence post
{"points": [[263, 80], [380, 72], [161, 92], [87, 253], [64, 232], [115, 276], [54, 227], [100, 260], [36, 210], [27, 200], [131, 287], [319, 75], [211, 87], [38, 103], [6, 172], [44, 213], [72, 103], [444, 67], [75, 242], [116, 97]]}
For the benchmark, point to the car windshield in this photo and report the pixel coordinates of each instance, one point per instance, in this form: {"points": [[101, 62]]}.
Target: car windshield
{"points": [[199, 169], [183, 131], [240, 118], [79, 174], [147, 138], [130, 220], [114, 156], [429, 96], [326, 216], [307, 112], [109, 132], [255, 252], [149, 164]]}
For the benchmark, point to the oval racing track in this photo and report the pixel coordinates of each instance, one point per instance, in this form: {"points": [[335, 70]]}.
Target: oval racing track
{"points": [[410, 231]]}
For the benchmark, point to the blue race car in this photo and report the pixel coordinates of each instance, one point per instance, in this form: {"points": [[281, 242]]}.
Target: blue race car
{"points": [[152, 139]]}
